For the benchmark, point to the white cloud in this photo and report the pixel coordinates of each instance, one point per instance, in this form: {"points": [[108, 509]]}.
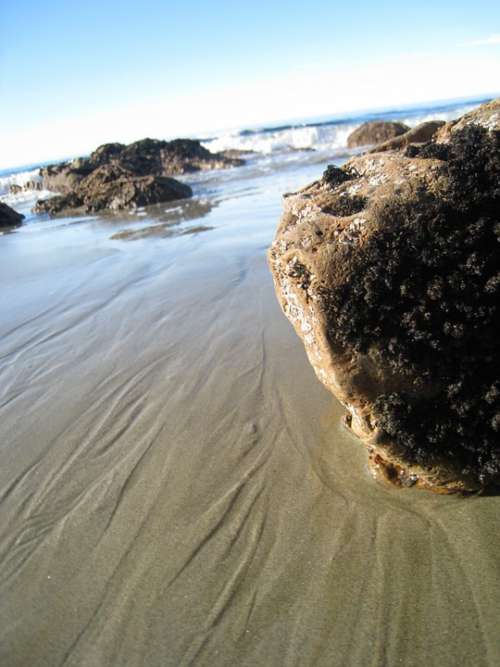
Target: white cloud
{"points": [[491, 40]]}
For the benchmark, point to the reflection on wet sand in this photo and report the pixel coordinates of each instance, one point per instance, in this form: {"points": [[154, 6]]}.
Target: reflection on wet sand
{"points": [[167, 220], [158, 231]]}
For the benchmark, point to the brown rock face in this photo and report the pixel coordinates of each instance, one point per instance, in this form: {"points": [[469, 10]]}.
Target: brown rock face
{"points": [[148, 157], [389, 270], [111, 188], [374, 132], [116, 176], [9, 217]]}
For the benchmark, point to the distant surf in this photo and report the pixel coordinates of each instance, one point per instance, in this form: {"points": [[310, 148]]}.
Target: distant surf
{"points": [[330, 134]]}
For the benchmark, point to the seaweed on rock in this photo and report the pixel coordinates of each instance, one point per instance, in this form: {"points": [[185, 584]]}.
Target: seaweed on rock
{"points": [[424, 289], [346, 205], [335, 175]]}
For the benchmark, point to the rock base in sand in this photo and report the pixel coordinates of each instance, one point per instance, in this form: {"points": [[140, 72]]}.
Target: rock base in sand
{"points": [[389, 270]]}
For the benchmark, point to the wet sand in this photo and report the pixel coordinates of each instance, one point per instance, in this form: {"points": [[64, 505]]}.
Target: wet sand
{"points": [[176, 487]]}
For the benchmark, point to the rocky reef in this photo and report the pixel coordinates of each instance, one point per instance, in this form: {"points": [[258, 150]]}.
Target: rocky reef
{"points": [[375, 132], [389, 270], [8, 217], [117, 176]]}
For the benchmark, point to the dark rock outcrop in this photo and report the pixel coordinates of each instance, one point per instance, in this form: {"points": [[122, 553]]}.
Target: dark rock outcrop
{"points": [[147, 157], [118, 176], [374, 132], [8, 217], [109, 187], [389, 270]]}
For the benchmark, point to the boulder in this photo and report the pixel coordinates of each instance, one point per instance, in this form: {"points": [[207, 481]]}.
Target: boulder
{"points": [[111, 188], [9, 217], [389, 270], [374, 132], [140, 169], [417, 135], [147, 157]]}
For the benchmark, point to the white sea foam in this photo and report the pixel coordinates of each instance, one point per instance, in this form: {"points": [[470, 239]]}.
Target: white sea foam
{"points": [[20, 178], [296, 138]]}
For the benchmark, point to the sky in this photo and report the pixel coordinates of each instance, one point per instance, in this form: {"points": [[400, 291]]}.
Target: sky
{"points": [[75, 74]]}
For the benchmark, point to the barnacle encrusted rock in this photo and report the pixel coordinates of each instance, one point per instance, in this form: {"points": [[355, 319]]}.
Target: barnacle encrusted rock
{"points": [[389, 270]]}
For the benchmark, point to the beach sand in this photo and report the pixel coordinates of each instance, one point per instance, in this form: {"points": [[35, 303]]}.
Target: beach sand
{"points": [[176, 487]]}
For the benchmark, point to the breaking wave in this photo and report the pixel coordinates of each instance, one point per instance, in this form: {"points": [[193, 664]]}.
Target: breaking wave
{"points": [[21, 178], [330, 135], [284, 139]]}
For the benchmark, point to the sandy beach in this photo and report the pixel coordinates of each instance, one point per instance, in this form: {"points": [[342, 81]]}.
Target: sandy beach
{"points": [[176, 487]]}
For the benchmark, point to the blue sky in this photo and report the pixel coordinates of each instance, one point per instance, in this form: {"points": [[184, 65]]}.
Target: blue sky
{"points": [[75, 74]]}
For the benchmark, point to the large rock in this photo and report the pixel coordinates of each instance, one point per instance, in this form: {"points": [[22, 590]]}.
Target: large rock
{"points": [[374, 132], [148, 157], [9, 217], [117, 176], [389, 270], [110, 187]]}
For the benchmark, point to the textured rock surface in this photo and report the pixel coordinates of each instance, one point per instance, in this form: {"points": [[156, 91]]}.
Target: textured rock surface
{"points": [[487, 116], [389, 270], [116, 176], [108, 187], [9, 217], [147, 157], [64, 177], [374, 132]]}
